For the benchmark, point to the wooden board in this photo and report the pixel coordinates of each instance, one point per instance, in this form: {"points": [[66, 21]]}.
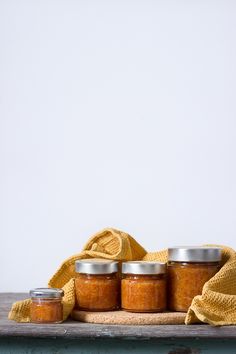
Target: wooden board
{"points": [[129, 318], [73, 337], [70, 329]]}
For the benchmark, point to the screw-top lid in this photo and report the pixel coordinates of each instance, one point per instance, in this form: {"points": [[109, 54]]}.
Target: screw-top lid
{"points": [[96, 266], [142, 267], [46, 293], [194, 254]]}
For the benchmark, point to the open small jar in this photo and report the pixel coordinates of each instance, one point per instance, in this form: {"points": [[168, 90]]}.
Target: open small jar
{"points": [[46, 305], [97, 285], [189, 268], [143, 286]]}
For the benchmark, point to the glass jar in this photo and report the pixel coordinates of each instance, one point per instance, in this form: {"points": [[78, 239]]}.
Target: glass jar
{"points": [[97, 285], [46, 305], [143, 286], [189, 268]]}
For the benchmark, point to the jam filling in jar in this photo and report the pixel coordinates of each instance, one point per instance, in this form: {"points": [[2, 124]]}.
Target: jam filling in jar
{"points": [[143, 286], [189, 268], [97, 285], [46, 305]]}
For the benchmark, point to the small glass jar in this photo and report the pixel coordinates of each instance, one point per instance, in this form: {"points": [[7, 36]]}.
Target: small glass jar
{"points": [[46, 305], [189, 268], [143, 286], [97, 285]]}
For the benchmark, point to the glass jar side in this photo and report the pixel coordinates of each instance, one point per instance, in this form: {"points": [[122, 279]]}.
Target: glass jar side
{"points": [[97, 292], [143, 293], [46, 310], [186, 280]]}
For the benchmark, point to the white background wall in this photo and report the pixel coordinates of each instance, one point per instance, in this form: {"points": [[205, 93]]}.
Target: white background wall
{"points": [[114, 113]]}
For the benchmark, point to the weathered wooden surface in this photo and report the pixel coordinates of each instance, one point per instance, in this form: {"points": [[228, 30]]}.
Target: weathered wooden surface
{"points": [[83, 338], [114, 346], [76, 330]]}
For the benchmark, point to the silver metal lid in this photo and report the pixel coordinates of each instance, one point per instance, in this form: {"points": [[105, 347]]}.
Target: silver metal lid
{"points": [[46, 293], [194, 254], [142, 267], [96, 266]]}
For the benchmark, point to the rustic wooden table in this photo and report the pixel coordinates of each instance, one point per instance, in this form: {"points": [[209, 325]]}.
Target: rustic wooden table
{"points": [[75, 337]]}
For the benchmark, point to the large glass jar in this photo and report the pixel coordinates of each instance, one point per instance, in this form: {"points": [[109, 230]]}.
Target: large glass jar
{"points": [[143, 286], [189, 268], [46, 305], [97, 285]]}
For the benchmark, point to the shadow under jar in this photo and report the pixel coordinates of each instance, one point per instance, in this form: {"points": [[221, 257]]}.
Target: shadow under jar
{"points": [[97, 285], [46, 305], [143, 286], [189, 268]]}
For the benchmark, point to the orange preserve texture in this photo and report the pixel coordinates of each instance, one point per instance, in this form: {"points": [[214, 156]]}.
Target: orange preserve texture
{"points": [[185, 281], [143, 286], [97, 292], [46, 311], [97, 285], [143, 293], [189, 268], [46, 305]]}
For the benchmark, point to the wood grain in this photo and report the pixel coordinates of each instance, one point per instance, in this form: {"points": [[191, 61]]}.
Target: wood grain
{"points": [[78, 330]]}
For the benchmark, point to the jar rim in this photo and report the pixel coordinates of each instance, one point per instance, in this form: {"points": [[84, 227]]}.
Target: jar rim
{"points": [[46, 293], [96, 266], [143, 267], [194, 254]]}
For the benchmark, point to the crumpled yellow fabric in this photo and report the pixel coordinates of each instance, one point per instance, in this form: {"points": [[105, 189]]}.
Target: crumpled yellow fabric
{"points": [[216, 305]]}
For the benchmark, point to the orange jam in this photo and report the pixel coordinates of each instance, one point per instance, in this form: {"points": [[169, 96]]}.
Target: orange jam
{"points": [[186, 280], [143, 293], [97, 292], [189, 268], [44, 309], [143, 286], [97, 285]]}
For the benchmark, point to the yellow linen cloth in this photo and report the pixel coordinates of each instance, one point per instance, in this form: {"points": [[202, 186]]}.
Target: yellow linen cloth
{"points": [[216, 305]]}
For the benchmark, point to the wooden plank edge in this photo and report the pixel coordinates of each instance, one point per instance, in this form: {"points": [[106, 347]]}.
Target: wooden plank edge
{"points": [[82, 331]]}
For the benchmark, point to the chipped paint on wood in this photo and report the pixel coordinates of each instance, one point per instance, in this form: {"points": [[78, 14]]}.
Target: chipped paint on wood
{"points": [[184, 351], [13, 345]]}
